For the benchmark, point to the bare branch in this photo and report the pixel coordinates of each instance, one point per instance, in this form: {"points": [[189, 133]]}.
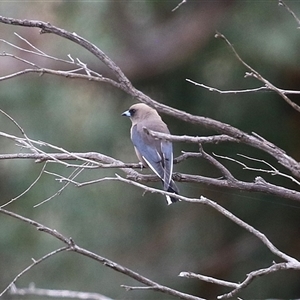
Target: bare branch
{"points": [[224, 212], [273, 171], [186, 155], [96, 160], [32, 290], [255, 74], [182, 2], [132, 288], [73, 175], [213, 139], [35, 262], [225, 172], [209, 279], [255, 274], [237, 287], [48, 28], [67, 74], [212, 89], [71, 246], [259, 185], [26, 139], [259, 89], [282, 3], [103, 161], [90, 74], [27, 190], [250, 229]]}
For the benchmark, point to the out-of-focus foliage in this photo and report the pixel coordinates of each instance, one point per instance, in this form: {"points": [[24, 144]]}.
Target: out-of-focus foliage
{"points": [[116, 220]]}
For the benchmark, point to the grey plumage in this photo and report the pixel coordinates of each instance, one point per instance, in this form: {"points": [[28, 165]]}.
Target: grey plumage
{"points": [[154, 153]]}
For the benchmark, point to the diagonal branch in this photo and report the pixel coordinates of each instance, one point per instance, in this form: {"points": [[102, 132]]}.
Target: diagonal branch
{"points": [[290, 262], [258, 76], [258, 273], [48, 28], [72, 246], [224, 212], [35, 262], [282, 3]]}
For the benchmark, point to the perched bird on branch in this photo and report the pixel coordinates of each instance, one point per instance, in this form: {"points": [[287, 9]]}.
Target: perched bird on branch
{"points": [[157, 154]]}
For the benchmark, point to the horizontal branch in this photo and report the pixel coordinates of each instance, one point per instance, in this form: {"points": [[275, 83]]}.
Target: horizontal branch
{"points": [[32, 290], [104, 161], [213, 89], [66, 74], [251, 140], [259, 185], [259, 89], [208, 279], [213, 139], [237, 287]]}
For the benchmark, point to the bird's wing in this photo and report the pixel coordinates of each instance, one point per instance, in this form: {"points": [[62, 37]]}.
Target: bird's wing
{"points": [[148, 151], [167, 151]]}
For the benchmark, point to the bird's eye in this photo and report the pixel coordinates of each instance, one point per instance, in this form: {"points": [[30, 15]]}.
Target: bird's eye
{"points": [[132, 111]]}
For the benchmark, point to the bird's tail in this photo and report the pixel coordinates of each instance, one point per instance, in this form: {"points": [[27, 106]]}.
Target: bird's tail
{"points": [[172, 189]]}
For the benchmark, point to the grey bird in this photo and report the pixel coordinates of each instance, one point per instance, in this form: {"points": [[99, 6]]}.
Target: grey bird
{"points": [[157, 154]]}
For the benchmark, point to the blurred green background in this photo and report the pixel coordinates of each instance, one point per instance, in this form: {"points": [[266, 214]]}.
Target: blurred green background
{"points": [[158, 50]]}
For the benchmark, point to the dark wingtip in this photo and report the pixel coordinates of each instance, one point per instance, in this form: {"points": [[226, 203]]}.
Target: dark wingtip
{"points": [[171, 190]]}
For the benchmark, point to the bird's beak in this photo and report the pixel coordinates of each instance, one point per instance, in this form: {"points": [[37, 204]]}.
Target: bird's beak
{"points": [[126, 114]]}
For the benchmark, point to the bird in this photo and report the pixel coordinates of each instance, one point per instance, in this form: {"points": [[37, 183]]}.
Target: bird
{"points": [[157, 154]]}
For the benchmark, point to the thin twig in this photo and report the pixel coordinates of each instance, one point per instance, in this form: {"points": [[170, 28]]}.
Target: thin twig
{"points": [[255, 74], [182, 2], [73, 175], [213, 89], [258, 273], [225, 172], [259, 89], [282, 3], [132, 288], [20, 128], [35, 262], [273, 171], [28, 189]]}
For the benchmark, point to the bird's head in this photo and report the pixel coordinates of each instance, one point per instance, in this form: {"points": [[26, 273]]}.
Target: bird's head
{"points": [[139, 112]]}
